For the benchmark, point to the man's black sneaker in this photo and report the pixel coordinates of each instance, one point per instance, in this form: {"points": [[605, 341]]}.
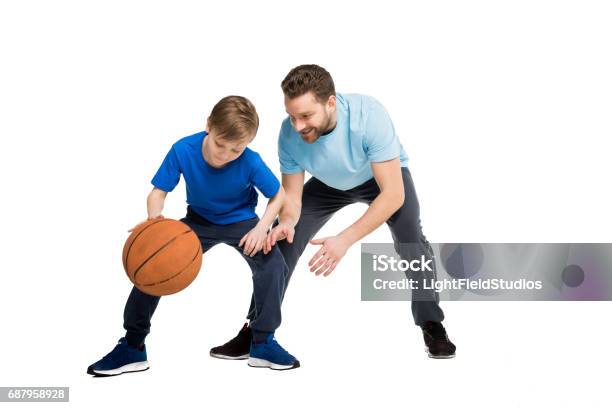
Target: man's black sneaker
{"points": [[436, 340], [237, 348]]}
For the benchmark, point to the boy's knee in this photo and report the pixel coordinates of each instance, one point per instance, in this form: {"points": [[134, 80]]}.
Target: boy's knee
{"points": [[273, 262]]}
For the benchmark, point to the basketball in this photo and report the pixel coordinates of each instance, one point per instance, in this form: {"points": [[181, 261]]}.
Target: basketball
{"points": [[162, 256]]}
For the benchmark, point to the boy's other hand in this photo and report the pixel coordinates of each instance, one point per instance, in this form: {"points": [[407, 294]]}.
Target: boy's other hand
{"points": [[278, 233], [148, 219], [253, 241]]}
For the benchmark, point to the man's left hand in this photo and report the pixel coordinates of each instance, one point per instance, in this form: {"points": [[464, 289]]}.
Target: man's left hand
{"points": [[327, 258]]}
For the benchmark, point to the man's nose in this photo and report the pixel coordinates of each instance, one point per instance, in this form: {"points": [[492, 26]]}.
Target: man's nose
{"points": [[299, 125]]}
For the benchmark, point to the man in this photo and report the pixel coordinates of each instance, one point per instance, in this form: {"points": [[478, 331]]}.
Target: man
{"points": [[348, 144]]}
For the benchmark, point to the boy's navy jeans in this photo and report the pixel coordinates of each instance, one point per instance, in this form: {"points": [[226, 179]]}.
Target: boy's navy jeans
{"points": [[269, 273], [320, 202]]}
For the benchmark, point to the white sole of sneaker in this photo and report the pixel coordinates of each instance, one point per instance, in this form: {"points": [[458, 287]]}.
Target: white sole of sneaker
{"points": [[128, 368], [438, 357], [224, 357], [261, 363]]}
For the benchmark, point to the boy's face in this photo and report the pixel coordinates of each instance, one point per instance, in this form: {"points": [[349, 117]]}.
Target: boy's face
{"points": [[310, 117], [219, 151]]}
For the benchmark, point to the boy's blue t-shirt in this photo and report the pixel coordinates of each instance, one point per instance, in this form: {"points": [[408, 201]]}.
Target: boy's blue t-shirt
{"points": [[221, 195], [343, 158]]}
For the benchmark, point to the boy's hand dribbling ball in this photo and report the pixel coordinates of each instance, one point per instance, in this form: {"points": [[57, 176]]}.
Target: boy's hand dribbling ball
{"points": [[162, 256]]}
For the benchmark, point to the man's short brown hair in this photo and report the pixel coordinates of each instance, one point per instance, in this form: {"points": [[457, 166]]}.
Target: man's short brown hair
{"points": [[305, 78], [234, 118]]}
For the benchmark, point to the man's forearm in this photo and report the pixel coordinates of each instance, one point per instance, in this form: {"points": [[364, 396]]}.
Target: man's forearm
{"points": [[290, 213], [272, 209], [381, 209]]}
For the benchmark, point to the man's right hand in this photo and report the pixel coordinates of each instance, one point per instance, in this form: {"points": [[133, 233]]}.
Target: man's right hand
{"points": [[278, 233], [147, 220]]}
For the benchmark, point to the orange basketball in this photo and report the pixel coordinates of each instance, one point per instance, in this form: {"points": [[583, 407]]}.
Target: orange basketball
{"points": [[162, 256]]}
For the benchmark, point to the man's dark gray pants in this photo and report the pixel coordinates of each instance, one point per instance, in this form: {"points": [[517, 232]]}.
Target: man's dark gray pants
{"points": [[320, 202]]}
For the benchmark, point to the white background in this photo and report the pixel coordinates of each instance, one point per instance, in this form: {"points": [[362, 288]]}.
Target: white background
{"points": [[504, 111]]}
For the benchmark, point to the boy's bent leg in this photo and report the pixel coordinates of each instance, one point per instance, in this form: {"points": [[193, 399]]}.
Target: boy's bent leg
{"points": [[269, 273], [137, 314], [130, 354], [140, 306]]}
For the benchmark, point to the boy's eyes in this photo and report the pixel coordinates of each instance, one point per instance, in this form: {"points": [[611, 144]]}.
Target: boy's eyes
{"points": [[220, 146]]}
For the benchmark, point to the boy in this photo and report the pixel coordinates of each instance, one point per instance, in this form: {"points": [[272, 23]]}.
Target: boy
{"points": [[221, 174]]}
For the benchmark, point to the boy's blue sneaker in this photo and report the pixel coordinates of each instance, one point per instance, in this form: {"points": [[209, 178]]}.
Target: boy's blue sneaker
{"points": [[271, 355], [122, 359]]}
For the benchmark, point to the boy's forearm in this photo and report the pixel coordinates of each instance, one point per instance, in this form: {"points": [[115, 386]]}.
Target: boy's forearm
{"points": [[155, 203], [272, 209]]}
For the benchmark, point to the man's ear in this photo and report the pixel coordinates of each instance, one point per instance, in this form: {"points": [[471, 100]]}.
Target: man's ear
{"points": [[331, 102]]}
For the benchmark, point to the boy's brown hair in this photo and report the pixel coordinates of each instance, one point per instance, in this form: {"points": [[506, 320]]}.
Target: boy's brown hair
{"points": [[234, 118], [305, 78]]}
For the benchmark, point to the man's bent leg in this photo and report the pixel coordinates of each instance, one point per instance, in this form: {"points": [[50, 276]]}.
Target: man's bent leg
{"points": [[410, 243], [319, 203]]}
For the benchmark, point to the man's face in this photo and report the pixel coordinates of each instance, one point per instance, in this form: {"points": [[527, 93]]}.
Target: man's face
{"points": [[310, 117], [218, 151]]}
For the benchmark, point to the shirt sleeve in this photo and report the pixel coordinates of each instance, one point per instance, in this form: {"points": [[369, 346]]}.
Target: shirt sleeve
{"points": [[263, 178], [169, 173], [288, 165], [380, 140]]}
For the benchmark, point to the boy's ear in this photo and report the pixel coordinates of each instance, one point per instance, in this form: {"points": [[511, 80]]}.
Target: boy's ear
{"points": [[207, 125]]}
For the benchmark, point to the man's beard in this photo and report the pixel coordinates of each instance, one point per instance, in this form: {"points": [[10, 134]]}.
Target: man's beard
{"points": [[319, 131]]}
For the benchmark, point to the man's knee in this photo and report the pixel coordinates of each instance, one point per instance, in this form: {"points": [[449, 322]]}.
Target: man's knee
{"points": [[291, 252], [407, 232]]}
